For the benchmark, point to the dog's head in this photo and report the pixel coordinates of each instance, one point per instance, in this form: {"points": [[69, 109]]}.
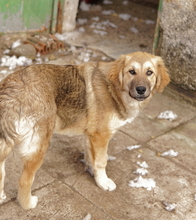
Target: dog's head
{"points": [[140, 74]]}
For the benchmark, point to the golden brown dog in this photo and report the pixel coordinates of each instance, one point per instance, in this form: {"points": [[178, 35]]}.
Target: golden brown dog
{"points": [[92, 98]]}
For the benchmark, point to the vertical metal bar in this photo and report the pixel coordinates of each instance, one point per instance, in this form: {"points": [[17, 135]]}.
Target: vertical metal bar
{"points": [[157, 28], [52, 17], [59, 22], [57, 16]]}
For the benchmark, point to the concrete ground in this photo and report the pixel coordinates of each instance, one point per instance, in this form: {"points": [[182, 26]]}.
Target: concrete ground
{"points": [[66, 191]]}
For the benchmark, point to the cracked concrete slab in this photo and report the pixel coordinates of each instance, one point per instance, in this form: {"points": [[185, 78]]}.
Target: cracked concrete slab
{"points": [[57, 202]]}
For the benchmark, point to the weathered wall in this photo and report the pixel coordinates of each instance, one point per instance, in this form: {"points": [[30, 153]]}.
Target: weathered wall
{"points": [[178, 41]]}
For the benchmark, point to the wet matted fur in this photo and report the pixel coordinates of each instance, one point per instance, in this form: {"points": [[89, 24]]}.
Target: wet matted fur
{"points": [[95, 99]]}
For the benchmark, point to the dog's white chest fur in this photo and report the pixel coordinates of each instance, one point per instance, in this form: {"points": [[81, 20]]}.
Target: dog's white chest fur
{"points": [[116, 122], [132, 112]]}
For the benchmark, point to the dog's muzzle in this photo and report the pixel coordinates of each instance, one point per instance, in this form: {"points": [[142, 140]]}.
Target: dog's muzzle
{"points": [[141, 90], [139, 93]]}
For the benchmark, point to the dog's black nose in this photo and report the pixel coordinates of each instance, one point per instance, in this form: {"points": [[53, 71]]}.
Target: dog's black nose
{"points": [[141, 90]]}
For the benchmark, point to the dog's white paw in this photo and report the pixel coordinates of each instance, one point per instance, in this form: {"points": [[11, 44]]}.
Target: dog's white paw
{"points": [[2, 197], [32, 203], [106, 184]]}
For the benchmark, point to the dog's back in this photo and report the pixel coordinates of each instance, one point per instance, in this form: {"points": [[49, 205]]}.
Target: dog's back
{"points": [[36, 93]]}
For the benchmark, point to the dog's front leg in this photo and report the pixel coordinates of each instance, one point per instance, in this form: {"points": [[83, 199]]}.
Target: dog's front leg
{"points": [[97, 154]]}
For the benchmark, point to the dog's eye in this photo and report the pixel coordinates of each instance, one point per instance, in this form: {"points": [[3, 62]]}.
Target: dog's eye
{"points": [[149, 72], [132, 72]]}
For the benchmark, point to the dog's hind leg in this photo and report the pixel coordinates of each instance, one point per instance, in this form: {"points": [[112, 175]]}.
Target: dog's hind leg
{"points": [[32, 159], [4, 151], [97, 153]]}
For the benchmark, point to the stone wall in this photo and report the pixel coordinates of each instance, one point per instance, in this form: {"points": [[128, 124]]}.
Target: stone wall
{"points": [[178, 41]]}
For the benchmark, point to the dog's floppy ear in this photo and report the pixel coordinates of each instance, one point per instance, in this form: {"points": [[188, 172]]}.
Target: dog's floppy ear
{"points": [[163, 76], [116, 71]]}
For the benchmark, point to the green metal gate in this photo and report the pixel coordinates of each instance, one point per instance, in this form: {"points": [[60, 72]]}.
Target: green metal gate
{"points": [[30, 15]]}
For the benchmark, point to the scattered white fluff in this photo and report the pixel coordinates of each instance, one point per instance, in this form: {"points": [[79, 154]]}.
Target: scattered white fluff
{"points": [[86, 59], [39, 60], [125, 2], [81, 29], [133, 147], [84, 56], [135, 18], [169, 115], [111, 158], [60, 37], [3, 71], [108, 12], [84, 6], [169, 206], [97, 26], [143, 164], [88, 217], [46, 59], [73, 49], [124, 16], [134, 30], [95, 18], [61, 50], [108, 23], [141, 182], [107, 2], [82, 21], [12, 62], [101, 26], [170, 153], [141, 171], [16, 43], [183, 182], [102, 33], [6, 51], [139, 156], [195, 197], [149, 22], [104, 58], [121, 36]]}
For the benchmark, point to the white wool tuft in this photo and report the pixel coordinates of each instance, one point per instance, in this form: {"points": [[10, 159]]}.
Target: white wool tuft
{"points": [[141, 182]]}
